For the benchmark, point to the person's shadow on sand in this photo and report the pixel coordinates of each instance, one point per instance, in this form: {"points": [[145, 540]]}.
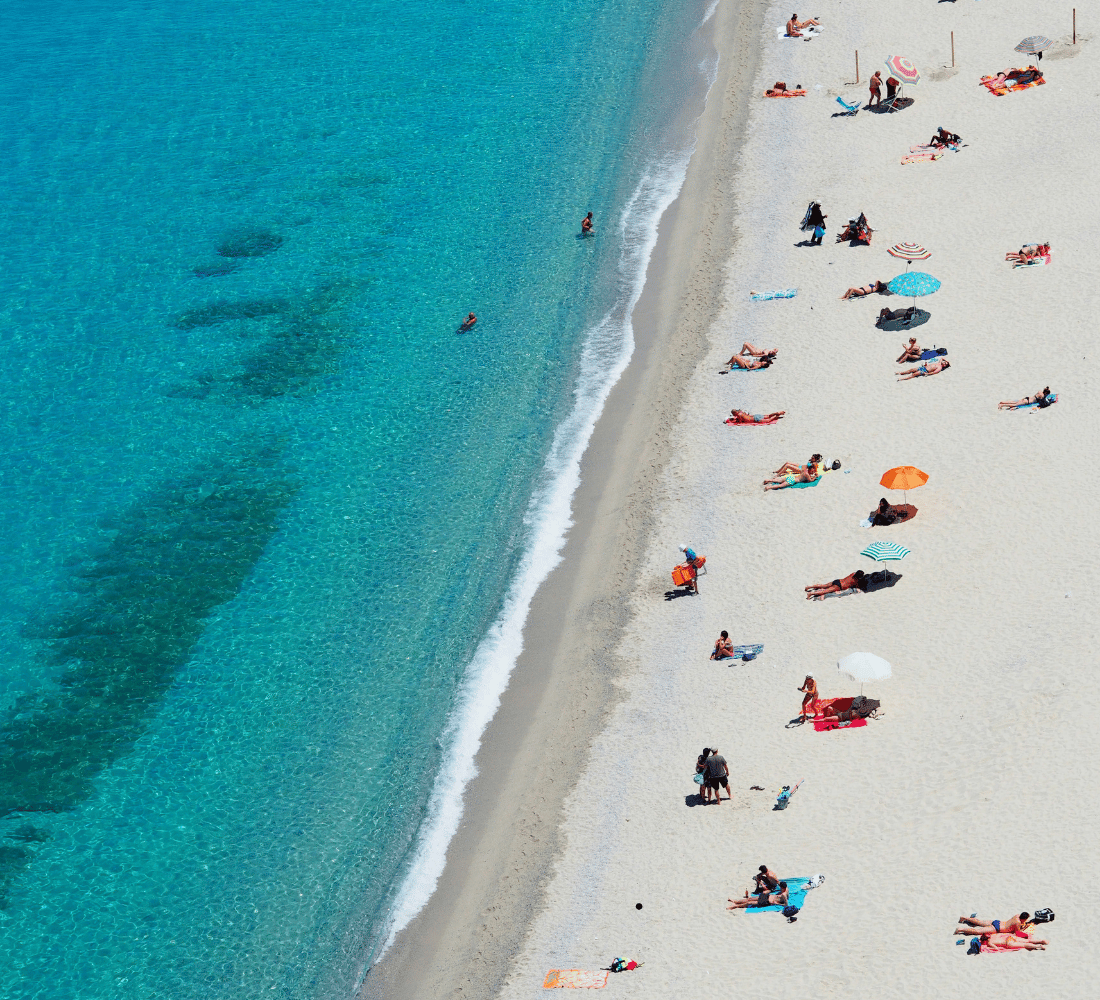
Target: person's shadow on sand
{"points": [[919, 318], [671, 595], [691, 801]]}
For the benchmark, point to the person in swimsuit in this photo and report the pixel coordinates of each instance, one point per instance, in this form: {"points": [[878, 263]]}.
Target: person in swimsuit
{"points": [[876, 93], [723, 648], [910, 353], [751, 351], [927, 368], [807, 475], [858, 293], [815, 459], [944, 138], [766, 881], [467, 323], [854, 581], [1013, 942], [974, 926], [1042, 399], [741, 417], [809, 688], [764, 899], [586, 225]]}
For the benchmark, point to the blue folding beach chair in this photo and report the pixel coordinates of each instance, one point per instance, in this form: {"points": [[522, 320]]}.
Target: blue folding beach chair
{"points": [[849, 109]]}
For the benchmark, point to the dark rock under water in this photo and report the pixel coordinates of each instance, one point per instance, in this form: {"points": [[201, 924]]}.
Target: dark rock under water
{"points": [[250, 243]]}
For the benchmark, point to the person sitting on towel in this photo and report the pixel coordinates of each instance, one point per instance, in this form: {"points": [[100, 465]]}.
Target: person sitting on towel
{"points": [[766, 881], [752, 351], [910, 353], [794, 26], [926, 368], [1041, 399], [853, 581], [741, 417], [975, 926], [892, 315], [723, 648], [944, 138], [874, 287], [815, 460], [887, 514], [779, 898], [1026, 254]]}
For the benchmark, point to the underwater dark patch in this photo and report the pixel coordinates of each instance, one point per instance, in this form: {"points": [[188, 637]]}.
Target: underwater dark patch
{"points": [[139, 606], [224, 312], [215, 270], [250, 243]]}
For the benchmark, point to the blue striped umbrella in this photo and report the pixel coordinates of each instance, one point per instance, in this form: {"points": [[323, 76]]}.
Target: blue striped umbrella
{"points": [[883, 551], [914, 283]]}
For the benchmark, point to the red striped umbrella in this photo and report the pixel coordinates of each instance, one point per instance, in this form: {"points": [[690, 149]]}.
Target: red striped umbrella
{"points": [[909, 252], [903, 69]]}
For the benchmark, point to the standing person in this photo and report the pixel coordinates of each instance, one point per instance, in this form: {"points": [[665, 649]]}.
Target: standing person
{"points": [[875, 87], [817, 220], [586, 225], [717, 773], [691, 559], [809, 687], [701, 768]]}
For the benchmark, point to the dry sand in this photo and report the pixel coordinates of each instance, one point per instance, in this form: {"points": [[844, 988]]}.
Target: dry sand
{"points": [[973, 791]]}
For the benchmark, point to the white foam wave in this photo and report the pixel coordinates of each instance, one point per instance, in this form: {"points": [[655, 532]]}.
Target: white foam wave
{"points": [[607, 351]]}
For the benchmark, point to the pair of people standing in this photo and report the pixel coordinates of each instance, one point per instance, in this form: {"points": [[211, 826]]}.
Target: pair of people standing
{"points": [[715, 771], [875, 86], [814, 223]]}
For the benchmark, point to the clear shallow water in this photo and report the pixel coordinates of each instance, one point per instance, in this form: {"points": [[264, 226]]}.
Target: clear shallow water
{"points": [[262, 506]]}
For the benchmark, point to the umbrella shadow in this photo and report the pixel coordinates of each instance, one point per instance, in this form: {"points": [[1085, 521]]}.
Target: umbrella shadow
{"points": [[919, 318], [881, 579], [889, 108]]}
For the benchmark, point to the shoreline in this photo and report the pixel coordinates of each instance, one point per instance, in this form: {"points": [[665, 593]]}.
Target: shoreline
{"points": [[500, 860]]}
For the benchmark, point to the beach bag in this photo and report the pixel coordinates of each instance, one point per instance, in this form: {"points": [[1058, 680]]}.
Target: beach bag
{"points": [[1042, 916], [698, 778], [791, 913]]}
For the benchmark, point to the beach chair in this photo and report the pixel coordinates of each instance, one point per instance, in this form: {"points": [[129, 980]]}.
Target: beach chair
{"points": [[849, 109]]}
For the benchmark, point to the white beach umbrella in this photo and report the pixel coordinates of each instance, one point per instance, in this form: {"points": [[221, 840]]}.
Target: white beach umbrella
{"points": [[863, 667]]}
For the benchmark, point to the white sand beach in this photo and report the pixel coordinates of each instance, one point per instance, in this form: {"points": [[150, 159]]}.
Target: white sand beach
{"points": [[973, 791]]}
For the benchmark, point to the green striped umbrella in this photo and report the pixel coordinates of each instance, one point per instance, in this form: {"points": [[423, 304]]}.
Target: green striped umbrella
{"points": [[883, 551]]}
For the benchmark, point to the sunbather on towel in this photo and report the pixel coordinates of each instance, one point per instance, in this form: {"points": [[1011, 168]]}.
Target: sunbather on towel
{"points": [[872, 288], [751, 351], [741, 417], [1041, 399], [975, 926], [766, 880], [781, 90], [807, 475], [794, 26], [1014, 77], [927, 368], [1026, 254], [911, 352], [779, 898], [857, 229], [815, 459], [723, 648], [1012, 942], [853, 581], [944, 138]]}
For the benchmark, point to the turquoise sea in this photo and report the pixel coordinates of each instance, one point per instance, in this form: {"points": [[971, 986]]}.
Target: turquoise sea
{"points": [[270, 523]]}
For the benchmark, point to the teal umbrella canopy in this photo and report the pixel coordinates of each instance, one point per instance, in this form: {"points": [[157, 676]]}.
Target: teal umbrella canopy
{"points": [[914, 283], [883, 551]]}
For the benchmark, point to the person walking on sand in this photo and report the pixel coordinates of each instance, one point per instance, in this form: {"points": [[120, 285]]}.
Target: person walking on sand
{"points": [[809, 688], [717, 775], [875, 87], [586, 225]]}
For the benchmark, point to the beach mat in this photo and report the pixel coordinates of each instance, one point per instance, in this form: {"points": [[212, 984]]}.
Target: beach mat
{"points": [[783, 293], [802, 486], [920, 157], [796, 893], [1001, 91], [824, 725], [575, 979]]}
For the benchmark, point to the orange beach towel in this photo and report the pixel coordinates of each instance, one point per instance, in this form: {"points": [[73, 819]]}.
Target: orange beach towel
{"points": [[574, 979], [987, 82]]}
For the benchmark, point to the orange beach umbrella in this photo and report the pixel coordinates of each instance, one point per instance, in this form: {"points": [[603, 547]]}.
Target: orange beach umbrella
{"points": [[904, 477]]}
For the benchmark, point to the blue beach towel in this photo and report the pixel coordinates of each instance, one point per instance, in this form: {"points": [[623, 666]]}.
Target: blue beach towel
{"points": [[1053, 397], [785, 293], [803, 486], [747, 652], [934, 352], [796, 891]]}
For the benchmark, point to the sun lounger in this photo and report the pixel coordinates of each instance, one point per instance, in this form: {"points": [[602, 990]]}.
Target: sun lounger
{"points": [[849, 109], [575, 979]]}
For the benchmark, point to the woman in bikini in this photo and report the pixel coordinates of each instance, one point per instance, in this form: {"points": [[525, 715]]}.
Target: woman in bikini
{"points": [[910, 353], [872, 288], [809, 689], [815, 459], [806, 475], [1039, 398], [928, 368], [741, 417]]}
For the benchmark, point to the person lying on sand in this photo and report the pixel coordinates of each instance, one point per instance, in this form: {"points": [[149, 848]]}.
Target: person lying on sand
{"points": [[927, 368], [1013, 942], [1030, 252], [893, 315], [741, 417], [748, 364], [1012, 77], [911, 352], [872, 288], [1041, 399], [723, 648], [764, 899], [1010, 926], [815, 459], [766, 880], [853, 581], [806, 475]]}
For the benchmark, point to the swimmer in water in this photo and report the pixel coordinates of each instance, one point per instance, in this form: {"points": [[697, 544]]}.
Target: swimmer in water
{"points": [[586, 225], [468, 323]]}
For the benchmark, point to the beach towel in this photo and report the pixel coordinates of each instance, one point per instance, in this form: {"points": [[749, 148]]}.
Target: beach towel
{"points": [[1045, 259], [575, 979], [796, 893], [924, 147], [785, 293], [802, 486], [784, 93], [1000, 91], [807, 32], [755, 423], [921, 157], [932, 353], [1053, 397], [824, 725], [747, 652]]}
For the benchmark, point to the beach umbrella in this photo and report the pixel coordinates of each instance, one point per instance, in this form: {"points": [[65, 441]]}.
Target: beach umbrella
{"points": [[914, 283], [903, 69], [884, 552], [904, 478], [1034, 44], [864, 667], [909, 252]]}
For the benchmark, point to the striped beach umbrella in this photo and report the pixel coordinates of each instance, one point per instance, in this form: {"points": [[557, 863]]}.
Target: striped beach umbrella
{"points": [[913, 284], [909, 252], [903, 69], [885, 551], [1034, 44]]}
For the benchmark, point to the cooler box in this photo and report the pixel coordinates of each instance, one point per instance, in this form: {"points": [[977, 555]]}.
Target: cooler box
{"points": [[683, 575]]}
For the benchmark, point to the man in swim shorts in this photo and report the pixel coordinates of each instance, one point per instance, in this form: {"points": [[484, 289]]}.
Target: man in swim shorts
{"points": [[806, 475], [975, 927], [779, 898], [875, 88], [586, 225], [717, 775], [928, 368], [741, 417], [853, 581]]}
